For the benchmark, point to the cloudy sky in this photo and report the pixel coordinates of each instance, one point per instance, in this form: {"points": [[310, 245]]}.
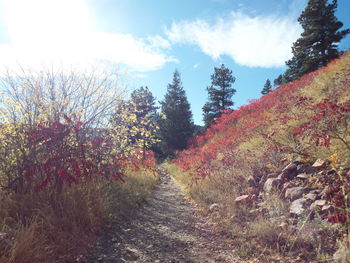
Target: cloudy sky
{"points": [[148, 39]]}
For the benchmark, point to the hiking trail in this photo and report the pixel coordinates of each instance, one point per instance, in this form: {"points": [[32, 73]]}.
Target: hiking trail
{"points": [[168, 228]]}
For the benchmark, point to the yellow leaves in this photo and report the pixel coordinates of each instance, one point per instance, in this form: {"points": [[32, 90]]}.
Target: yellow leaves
{"points": [[271, 167], [334, 159], [132, 118]]}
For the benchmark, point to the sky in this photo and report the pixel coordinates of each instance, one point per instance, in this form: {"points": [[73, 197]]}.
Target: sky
{"points": [[146, 40]]}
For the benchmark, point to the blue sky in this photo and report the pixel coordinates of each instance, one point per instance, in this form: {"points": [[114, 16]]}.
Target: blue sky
{"points": [[146, 40]]}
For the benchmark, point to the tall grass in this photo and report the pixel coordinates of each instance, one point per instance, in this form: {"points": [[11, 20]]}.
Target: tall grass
{"points": [[46, 227]]}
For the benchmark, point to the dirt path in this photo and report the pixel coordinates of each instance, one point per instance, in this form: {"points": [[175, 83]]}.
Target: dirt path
{"points": [[167, 229]]}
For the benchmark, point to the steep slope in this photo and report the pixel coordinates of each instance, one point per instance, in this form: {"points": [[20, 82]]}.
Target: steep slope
{"points": [[301, 121]]}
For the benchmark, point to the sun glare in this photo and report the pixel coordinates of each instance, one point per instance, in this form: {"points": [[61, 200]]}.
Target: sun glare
{"points": [[48, 29]]}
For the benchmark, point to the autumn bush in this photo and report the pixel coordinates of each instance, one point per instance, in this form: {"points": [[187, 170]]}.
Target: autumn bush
{"points": [[300, 121], [63, 173]]}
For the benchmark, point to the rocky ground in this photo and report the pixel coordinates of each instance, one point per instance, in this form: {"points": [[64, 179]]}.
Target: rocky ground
{"points": [[167, 229]]}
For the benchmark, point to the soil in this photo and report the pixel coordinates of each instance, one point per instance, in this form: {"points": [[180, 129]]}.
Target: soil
{"points": [[168, 228]]}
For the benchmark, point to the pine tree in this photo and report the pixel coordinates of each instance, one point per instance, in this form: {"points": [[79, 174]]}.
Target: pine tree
{"points": [[318, 42], [267, 87], [177, 126], [144, 103], [278, 81], [220, 93]]}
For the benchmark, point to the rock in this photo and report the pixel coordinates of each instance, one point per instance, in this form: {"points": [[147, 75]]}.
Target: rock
{"points": [[255, 211], [298, 207], [295, 192], [315, 191], [243, 200], [317, 205], [253, 191], [327, 210], [262, 204], [283, 226], [303, 176], [213, 207], [312, 196], [289, 172], [304, 168], [332, 172], [286, 186], [325, 191], [319, 163], [271, 175], [2, 235], [262, 180], [251, 181], [290, 167], [271, 183]]}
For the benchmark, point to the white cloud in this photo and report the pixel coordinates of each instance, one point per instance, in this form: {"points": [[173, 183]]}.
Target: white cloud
{"points": [[158, 42], [51, 32], [260, 41], [195, 65]]}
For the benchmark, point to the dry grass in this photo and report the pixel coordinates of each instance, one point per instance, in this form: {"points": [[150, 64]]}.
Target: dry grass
{"points": [[44, 227], [262, 236]]}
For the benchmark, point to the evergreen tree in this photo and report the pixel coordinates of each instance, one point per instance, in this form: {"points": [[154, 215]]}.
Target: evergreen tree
{"points": [[319, 40], [267, 87], [278, 81], [144, 103], [220, 93], [176, 127]]}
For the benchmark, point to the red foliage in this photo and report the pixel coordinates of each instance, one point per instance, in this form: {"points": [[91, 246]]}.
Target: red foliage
{"points": [[238, 126], [339, 218], [329, 116], [65, 153]]}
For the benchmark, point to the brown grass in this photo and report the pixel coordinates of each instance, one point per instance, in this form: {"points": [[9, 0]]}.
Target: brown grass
{"points": [[45, 227], [260, 236]]}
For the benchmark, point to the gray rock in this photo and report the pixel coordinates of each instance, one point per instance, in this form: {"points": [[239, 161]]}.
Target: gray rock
{"points": [[290, 167], [283, 226], [296, 192], [289, 172], [319, 163], [298, 207], [317, 205], [327, 210], [303, 176], [289, 175], [262, 180], [271, 175], [243, 200], [323, 194], [253, 191], [271, 184], [312, 196], [214, 206], [251, 181], [286, 186]]}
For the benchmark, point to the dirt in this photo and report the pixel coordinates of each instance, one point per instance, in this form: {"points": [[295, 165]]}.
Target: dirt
{"points": [[168, 228]]}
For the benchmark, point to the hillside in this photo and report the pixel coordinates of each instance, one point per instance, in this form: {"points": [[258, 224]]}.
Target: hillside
{"points": [[296, 124]]}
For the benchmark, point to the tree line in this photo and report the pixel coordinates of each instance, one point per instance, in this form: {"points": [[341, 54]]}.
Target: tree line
{"points": [[173, 125], [167, 129]]}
